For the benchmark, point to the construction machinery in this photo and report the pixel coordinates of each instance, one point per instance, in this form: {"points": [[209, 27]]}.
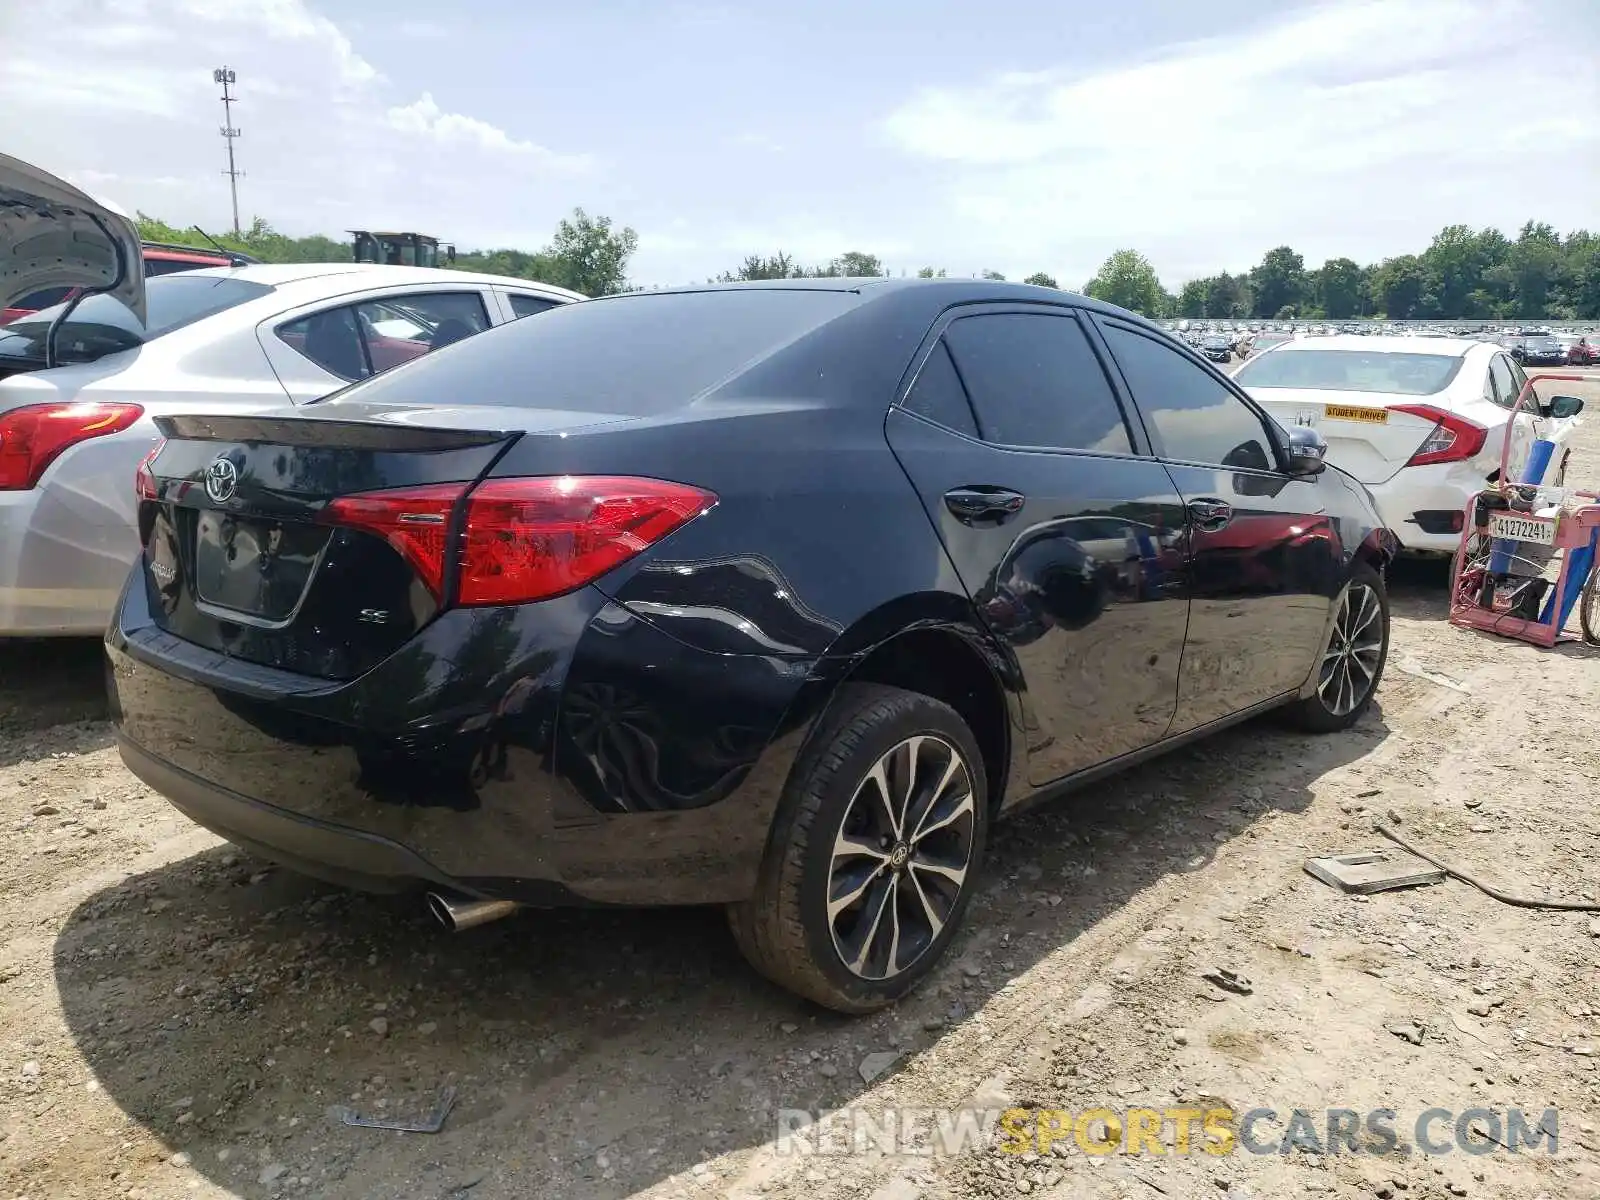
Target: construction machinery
{"points": [[398, 249]]}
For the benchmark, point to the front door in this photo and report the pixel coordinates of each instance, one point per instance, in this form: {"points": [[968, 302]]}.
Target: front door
{"points": [[1262, 556], [1066, 537]]}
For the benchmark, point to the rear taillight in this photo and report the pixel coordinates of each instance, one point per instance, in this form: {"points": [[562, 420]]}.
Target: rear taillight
{"points": [[1452, 439], [531, 539], [32, 437], [144, 479], [415, 521], [523, 539]]}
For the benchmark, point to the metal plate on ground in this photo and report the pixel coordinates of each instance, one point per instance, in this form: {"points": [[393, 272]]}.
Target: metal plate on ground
{"points": [[1373, 871]]}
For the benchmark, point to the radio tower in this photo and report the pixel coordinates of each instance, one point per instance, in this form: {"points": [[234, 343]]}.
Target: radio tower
{"points": [[226, 77]]}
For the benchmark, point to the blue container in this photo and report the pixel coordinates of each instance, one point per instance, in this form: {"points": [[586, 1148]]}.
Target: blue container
{"points": [[1579, 563]]}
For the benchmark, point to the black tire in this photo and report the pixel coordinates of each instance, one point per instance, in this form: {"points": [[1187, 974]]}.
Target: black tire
{"points": [[784, 929], [1329, 709]]}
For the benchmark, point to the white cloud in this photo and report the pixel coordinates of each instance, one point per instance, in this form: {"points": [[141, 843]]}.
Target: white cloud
{"points": [[1352, 128], [427, 120], [119, 95]]}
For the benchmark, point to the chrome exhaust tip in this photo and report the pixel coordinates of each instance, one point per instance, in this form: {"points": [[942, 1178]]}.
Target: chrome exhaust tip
{"points": [[457, 914]]}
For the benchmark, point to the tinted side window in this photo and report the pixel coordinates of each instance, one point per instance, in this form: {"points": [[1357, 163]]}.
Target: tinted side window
{"points": [[400, 328], [938, 395], [1195, 417], [330, 339], [1519, 378], [526, 306], [1502, 388], [1035, 381]]}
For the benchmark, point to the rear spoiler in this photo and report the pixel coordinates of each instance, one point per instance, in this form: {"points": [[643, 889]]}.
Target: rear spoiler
{"points": [[325, 433]]}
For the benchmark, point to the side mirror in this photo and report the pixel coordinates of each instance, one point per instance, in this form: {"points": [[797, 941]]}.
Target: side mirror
{"points": [[1306, 452], [1563, 406]]}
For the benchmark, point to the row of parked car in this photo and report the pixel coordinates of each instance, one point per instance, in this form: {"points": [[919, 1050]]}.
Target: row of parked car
{"points": [[772, 595], [1531, 347]]}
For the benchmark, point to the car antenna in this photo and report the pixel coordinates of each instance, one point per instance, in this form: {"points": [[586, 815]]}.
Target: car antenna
{"points": [[215, 244], [235, 258]]}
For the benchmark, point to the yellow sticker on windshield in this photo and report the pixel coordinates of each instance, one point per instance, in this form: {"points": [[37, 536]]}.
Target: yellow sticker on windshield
{"points": [[1353, 412]]}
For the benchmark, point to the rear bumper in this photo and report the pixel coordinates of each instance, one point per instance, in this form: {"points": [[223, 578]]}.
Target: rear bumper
{"points": [[60, 571], [1430, 489], [337, 853], [66, 545], [588, 758]]}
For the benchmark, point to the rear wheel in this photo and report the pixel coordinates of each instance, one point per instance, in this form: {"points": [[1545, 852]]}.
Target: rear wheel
{"points": [[1589, 607], [1353, 661], [874, 853]]}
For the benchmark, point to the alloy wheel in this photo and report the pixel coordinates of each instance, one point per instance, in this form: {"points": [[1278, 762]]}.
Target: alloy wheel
{"points": [[901, 857], [1354, 653]]}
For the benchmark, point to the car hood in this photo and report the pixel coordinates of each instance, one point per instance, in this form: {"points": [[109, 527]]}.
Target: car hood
{"points": [[52, 234]]}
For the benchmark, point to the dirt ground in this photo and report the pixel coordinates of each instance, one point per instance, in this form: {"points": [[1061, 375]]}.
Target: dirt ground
{"points": [[181, 1020]]}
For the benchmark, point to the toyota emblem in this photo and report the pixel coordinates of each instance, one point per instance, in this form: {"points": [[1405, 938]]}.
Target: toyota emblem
{"points": [[222, 480]]}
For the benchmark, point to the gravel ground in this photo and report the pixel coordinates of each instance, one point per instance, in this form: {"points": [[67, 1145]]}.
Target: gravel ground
{"points": [[178, 1019]]}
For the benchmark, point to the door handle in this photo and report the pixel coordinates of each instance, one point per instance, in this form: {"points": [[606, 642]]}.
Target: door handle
{"points": [[1210, 515], [980, 504]]}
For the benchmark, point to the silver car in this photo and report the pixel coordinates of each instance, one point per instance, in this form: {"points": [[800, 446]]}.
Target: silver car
{"points": [[72, 435]]}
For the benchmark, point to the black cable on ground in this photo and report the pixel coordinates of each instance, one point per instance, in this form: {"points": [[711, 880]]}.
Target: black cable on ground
{"points": [[1503, 897]]}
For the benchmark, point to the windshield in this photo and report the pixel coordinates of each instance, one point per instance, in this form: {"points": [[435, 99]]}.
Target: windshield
{"points": [[635, 355], [102, 325], [1352, 371]]}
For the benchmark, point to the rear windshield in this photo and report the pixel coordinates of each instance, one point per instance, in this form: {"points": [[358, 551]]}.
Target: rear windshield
{"points": [[634, 355], [1351, 371], [102, 325]]}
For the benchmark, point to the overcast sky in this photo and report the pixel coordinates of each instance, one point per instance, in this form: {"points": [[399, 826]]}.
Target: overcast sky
{"points": [[1016, 135]]}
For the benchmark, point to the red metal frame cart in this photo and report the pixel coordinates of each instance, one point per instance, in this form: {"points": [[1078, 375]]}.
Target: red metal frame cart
{"points": [[1512, 533]]}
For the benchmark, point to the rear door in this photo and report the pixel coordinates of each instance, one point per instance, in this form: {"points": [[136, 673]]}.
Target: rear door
{"points": [[1066, 535], [1263, 562]]}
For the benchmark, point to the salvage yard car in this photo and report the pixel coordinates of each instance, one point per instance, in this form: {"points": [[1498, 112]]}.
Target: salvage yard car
{"points": [[772, 596], [77, 411], [1420, 421]]}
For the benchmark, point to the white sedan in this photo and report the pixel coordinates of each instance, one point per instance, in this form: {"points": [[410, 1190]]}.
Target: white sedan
{"points": [[1420, 420], [72, 435]]}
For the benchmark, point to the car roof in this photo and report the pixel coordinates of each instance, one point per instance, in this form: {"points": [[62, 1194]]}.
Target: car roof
{"points": [[1401, 344], [933, 292], [353, 276]]}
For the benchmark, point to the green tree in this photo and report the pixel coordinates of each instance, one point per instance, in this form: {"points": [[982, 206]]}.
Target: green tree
{"points": [[1341, 288], [1040, 279], [1192, 299], [1127, 279], [930, 273], [1279, 282], [853, 264], [589, 256], [1400, 286], [994, 275], [755, 266], [1536, 263], [1226, 296]]}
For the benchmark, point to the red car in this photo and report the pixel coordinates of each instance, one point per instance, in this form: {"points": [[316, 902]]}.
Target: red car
{"points": [[1582, 350], [159, 259]]}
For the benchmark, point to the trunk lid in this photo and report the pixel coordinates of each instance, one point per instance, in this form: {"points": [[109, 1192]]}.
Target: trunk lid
{"points": [[1365, 436], [276, 537], [53, 235]]}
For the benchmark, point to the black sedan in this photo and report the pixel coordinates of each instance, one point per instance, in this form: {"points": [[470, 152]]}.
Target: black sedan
{"points": [[771, 596], [1216, 347], [1539, 350]]}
